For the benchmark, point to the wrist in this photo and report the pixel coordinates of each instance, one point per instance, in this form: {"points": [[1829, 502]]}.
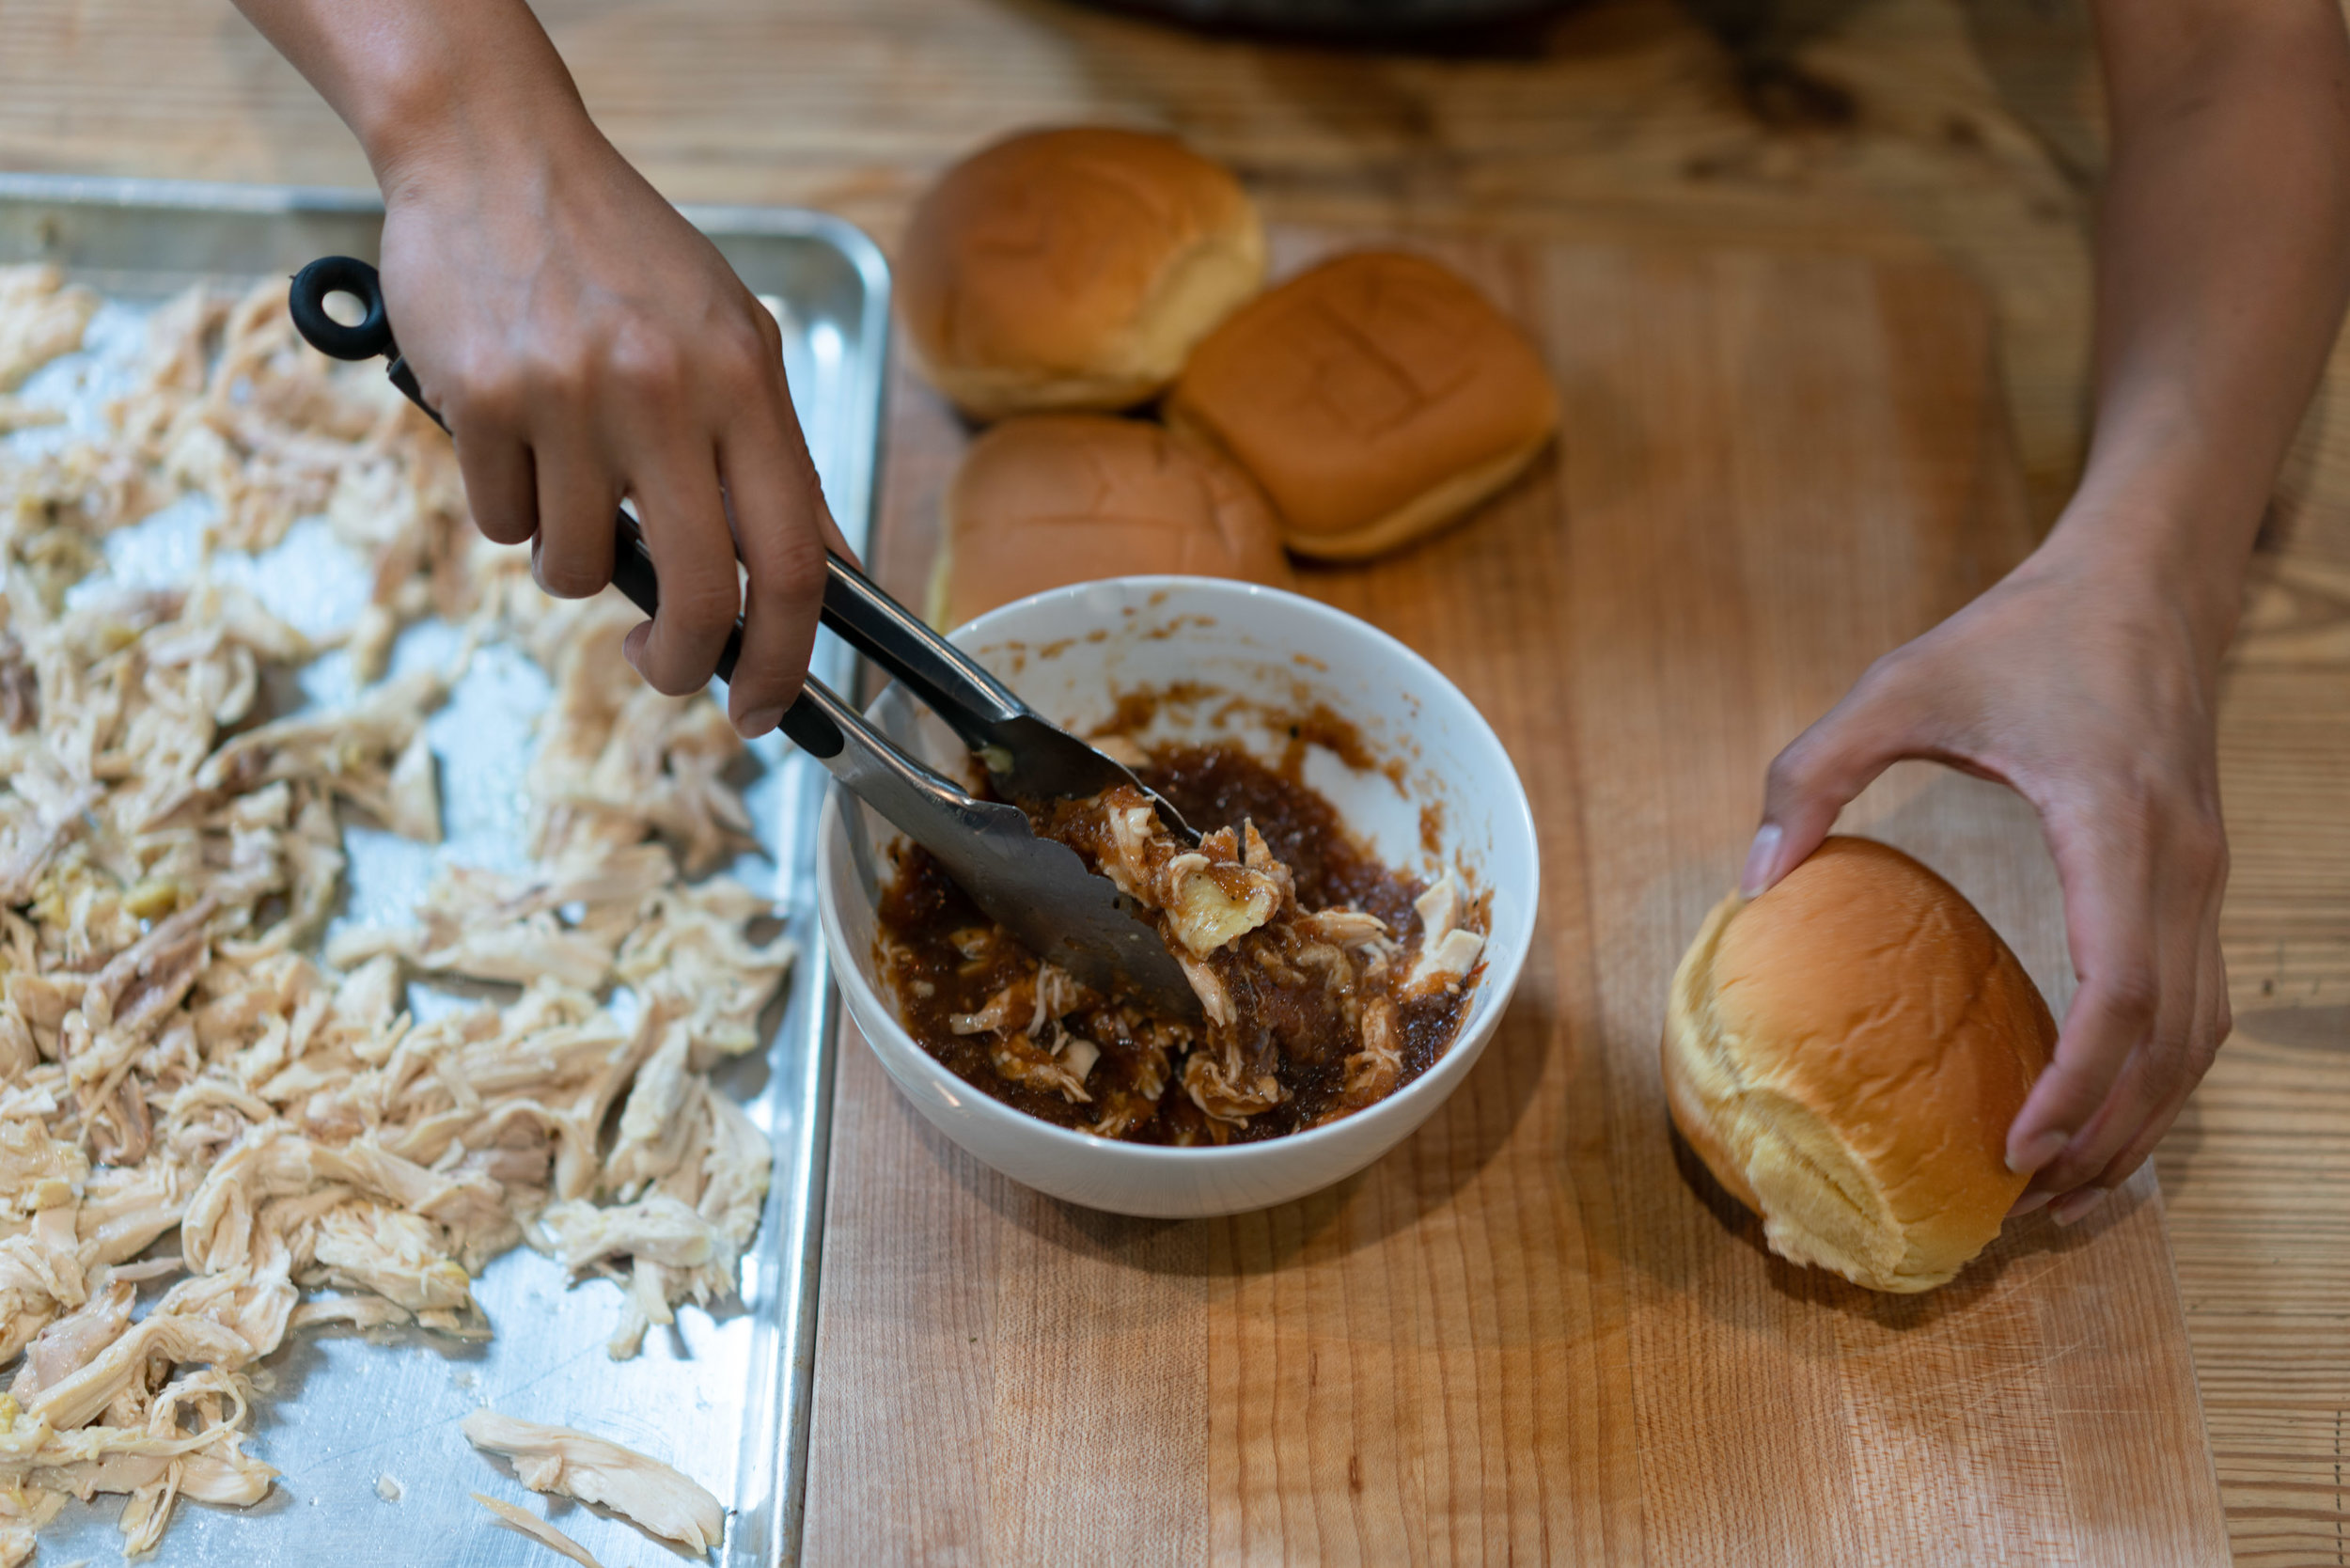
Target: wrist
{"points": [[2158, 550], [2169, 505], [483, 93]]}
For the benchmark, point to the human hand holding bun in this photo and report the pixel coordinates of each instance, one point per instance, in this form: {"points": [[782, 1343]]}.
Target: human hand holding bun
{"points": [[1072, 269], [1055, 498], [1376, 398], [1845, 1053]]}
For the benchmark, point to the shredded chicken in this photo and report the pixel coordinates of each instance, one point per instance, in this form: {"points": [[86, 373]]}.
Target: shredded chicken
{"points": [[1447, 950], [175, 1058], [621, 759], [1023, 1061], [1229, 913], [539, 1531], [1281, 987], [41, 317], [483, 926], [1371, 1072], [18, 415], [644, 1491]]}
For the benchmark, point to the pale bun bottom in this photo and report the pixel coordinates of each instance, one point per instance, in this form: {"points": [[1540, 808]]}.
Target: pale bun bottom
{"points": [[1820, 1206], [1199, 289], [1431, 509], [993, 394]]}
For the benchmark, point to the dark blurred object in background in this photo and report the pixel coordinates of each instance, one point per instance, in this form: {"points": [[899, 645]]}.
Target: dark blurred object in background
{"points": [[1338, 21]]}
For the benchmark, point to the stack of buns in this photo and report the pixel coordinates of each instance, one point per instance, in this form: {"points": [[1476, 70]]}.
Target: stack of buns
{"points": [[1359, 406], [1845, 1053]]}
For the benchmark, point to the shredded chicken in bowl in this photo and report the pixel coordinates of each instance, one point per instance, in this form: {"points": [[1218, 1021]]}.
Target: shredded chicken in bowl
{"points": [[1326, 980]]}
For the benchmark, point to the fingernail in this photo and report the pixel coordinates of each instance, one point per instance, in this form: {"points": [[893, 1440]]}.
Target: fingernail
{"points": [[2031, 1202], [758, 722], [1758, 861], [2039, 1151], [633, 646], [2069, 1209]]}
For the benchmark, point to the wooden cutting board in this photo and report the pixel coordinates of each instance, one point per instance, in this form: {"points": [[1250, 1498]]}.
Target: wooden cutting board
{"points": [[1536, 1331]]}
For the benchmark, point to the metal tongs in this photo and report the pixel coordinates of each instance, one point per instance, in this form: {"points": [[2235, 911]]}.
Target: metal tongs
{"points": [[1038, 888]]}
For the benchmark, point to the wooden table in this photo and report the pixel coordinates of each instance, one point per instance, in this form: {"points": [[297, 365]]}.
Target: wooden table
{"points": [[1536, 1330], [1888, 126]]}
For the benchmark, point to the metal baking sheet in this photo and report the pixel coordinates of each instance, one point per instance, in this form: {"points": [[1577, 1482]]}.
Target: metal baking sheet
{"points": [[349, 1421]]}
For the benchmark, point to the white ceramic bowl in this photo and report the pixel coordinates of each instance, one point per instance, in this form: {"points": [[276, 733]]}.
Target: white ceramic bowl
{"points": [[1069, 653]]}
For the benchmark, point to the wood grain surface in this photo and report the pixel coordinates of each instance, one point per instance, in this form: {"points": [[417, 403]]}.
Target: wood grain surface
{"points": [[1966, 129], [1537, 1331]]}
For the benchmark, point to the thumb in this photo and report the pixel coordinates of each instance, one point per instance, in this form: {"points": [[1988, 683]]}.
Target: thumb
{"points": [[1818, 775]]}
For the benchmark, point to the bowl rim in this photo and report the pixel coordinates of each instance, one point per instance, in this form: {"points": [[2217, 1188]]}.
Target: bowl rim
{"points": [[1502, 978]]}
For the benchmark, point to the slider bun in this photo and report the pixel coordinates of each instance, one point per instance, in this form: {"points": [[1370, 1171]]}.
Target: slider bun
{"points": [[1072, 269], [1376, 398], [1049, 500], [1845, 1053]]}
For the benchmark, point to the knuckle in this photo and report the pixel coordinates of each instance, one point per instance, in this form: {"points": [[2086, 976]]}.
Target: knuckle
{"points": [[1887, 674], [558, 380], [2132, 803], [1888, 666], [1785, 778], [518, 383], [488, 400], [702, 605], [2067, 1172], [748, 350], [792, 570], [777, 607], [647, 364], [2133, 995], [1789, 773], [759, 320], [2081, 1163], [2203, 842]]}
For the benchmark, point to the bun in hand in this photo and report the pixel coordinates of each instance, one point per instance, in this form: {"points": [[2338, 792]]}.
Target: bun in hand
{"points": [[1845, 1053]]}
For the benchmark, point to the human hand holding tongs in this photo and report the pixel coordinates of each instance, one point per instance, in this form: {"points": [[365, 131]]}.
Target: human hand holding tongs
{"points": [[1038, 888]]}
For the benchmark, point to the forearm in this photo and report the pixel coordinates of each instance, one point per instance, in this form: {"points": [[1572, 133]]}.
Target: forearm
{"points": [[416, 79], [2223, 266]]}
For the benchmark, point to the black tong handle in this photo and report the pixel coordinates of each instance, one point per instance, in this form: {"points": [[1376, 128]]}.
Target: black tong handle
{"points": [[947, 680]]}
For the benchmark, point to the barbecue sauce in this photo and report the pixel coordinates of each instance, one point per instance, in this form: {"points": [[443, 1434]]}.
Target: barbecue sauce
{"points": [[943, 959]]}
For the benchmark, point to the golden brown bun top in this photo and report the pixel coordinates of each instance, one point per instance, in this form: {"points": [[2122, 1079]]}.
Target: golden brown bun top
{"points": [[1357, 386], [1847, 1053], [1039, 251], [1049, 500]]}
